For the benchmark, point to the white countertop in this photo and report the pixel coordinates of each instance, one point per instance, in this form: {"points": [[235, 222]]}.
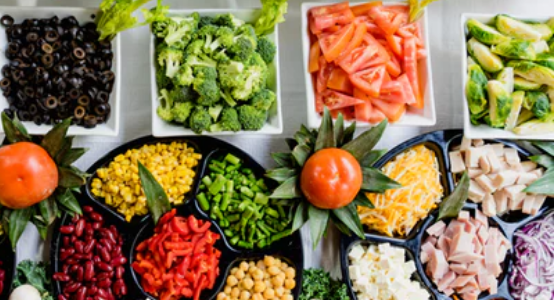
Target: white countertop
{"points": [[445, 42]]}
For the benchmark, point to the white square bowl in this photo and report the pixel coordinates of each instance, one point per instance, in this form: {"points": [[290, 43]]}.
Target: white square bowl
{"points": [[110, 128], [274, 124], [413, 116], [483, 131]]}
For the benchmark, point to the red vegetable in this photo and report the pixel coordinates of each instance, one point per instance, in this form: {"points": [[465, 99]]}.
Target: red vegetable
{"points": [[179, 260]]}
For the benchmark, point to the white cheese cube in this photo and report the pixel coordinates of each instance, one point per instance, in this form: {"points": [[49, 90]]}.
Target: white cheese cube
{"points": [[356, 252]]}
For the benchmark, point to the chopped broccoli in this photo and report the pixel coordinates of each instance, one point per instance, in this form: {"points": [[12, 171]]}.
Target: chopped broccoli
{"points": [[221, 56], [255, 74], [214, 111], [244, 43], [181, 111], [206, 86], [184, 77], [229, 120], [200, 60], [161, 79], [266, 49], [251, 118], [195, 48], [224, 39], [170, 58], [179, 31], [228, 20], [183, 94], [200, 120], [231, 74], [166, 104], [205, 20], [263, 100], [227, 98]]}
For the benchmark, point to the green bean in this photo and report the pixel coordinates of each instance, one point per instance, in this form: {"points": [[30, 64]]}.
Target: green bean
{"points": [[203, 202], [207, 181]]}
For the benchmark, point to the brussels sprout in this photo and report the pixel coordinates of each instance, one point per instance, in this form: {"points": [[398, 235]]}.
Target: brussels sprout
{"points": [[550, 23], [545, 59], [478, 119], [522, 84], [500, 102], [544, 30], [483, 56], [516, 28], [507, 78], [515, 49], [535, 126], [540, 47], [524, 116], [533, 72], [484, 33], [518, 98], [475, 89], [470, 62], [538, 103]]}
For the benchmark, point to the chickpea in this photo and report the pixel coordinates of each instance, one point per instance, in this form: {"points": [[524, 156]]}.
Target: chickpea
{"points": [[244, 266], [290, 284], [259, 287], [227, 290], [258, 274], [221, 296], [257, 296], [287, 297], [240, 274], [269, 261], [248, 283], [245, 295], [266, 275], [290, 273], [232, 280], [233, 271], [260, 264], [269, 294], [253, 269], [280, 291], [235, 292], [277, 281], [277, 262], [273, 270], [252, 264], [281, 276], [268, 283]]}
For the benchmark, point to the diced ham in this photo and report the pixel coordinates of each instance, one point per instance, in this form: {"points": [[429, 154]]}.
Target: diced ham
{"points": [[437, 229], [528, 204], [478, 142], [478, 246], [501, 253], [484, 164], [443, 244], [465, 144], [526, 178], [455, 227], [446, 281], [485, 183], [516, 196], [472, 283], [475, 192], [540, 199], [492, 284], [461, 281], [480, 217], [457, 162], [473, 295], [473, 268], [465, 257], [448, 292], [528, 166], [501, 201], [505, 178], [469, 227], [512, 157], [483, 281], [462, 243], [431, 239], [483, 234], [474, 172], [498, 149], [472, 157], [458, 268], [426, 251], [488, 206], [538, 172], [495, 163], [437, 266], [491, 252], [464, 215]]}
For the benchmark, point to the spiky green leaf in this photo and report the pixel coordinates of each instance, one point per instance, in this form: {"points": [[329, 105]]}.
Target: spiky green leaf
{"points": [[41, 227], [339, 129], [283, 159], [72, 156], [340, 226], [70, 177], [348, 215], [364, 143], [452, 205], [376, 182], [301, 154], [281, 174], [362, 200], [545, 146], [372, 157], [542, 186], [68, 201], [67, 144], [48, 210], [287, 190], [318, 221], [300, 217], [53, 141], [14, 130], [326, 135], [156, 198], [543, 160], [291, 143], [348, 135], [17, 223]]}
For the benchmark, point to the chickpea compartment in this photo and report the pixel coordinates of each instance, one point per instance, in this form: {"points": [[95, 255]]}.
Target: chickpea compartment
{"points": [[267, 279], [173, 165]]}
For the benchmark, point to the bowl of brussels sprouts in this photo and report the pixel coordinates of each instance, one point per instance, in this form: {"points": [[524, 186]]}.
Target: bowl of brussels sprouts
{"points": [[508, 76]]}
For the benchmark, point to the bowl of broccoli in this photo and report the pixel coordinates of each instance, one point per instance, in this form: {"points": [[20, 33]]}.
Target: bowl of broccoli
{"points": [[508, 76], [214, 72]]}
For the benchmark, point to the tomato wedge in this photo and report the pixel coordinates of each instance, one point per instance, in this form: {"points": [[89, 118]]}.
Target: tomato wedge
{"points": [[338, 18], [393, 111], [314, 57], [333, 43], [410, 68], [412, 29], [409, 94], [329, 9], [393, 91], [339, 81], [373, 29], [421, 54], [319, 102], [323, 75], [357, 39], [335, 100], [395, 44], [362, 9], [366, 112], [393, 66], [357, 59], [389, 21], [369, 80]]}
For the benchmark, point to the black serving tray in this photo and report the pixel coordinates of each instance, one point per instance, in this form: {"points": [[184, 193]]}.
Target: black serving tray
{"points": [[289, 249], [9, 263], [441, 142]]}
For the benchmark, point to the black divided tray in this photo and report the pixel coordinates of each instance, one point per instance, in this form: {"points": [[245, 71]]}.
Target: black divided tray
{"points": [[9, 262], [441, 142], [288, 249]]}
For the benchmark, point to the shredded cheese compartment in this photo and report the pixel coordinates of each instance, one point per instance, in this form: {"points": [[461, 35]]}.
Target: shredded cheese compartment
{"points": [[397, 211]]}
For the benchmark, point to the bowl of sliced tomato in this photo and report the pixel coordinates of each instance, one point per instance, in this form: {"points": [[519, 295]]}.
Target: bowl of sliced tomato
{"points": [[368, 62]]}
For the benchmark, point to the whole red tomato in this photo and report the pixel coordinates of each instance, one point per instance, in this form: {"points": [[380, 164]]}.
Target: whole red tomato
{"points": [[331, 178], [28, 175]]}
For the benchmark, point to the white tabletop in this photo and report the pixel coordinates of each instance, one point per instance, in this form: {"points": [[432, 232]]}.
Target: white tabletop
{"points": [[445, 52]]}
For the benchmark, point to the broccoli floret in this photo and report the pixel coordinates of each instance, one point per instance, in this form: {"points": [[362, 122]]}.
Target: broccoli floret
{"points": [[244, 42], [181, 111], [179, 31], [166, 104], [266, 49], [158, 28], [205, 20], [227, 98], [200, 60], [206, 86], [263, 100], [183, 94], [251, 118], [229, 120], [255, 74], [231, 74], [200, 120], [195, 48], [161, 79], [228, 20], [214, 111], [170, 58], [221, 56], [223, 39], [184, 76]]}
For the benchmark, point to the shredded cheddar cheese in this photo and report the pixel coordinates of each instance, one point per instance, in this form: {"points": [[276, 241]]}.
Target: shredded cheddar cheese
{"points": [[397, 211]]}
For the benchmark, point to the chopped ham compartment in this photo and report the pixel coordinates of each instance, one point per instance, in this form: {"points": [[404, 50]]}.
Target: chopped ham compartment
{"points": [[498, 177], [464, 256]]}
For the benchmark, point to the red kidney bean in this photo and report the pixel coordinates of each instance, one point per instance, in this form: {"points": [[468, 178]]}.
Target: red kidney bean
{"points": [[88, 209], [68, 229], [79, 227], [89, 271], [92, 291], [96, 217], [104, 266], [72, 287], [118, 261], [79, 246], [119, 272], [107, 244], [96, 225], [81, 293], [105, 255], [104, 283], [66, 253], [79, 275], [62, 297], [60, 277]]}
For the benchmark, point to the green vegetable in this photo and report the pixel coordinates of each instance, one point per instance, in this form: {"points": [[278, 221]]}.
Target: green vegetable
{"points": [[533, 72], [517, 29], [540, 47], [525, 115], [500, 103], [35, 274], [156, 198], [532, 97], [263, 100], [542, 107], [484, 33], [251, 118], [271, 14], [181, 111], [488, 60], [535, 126], [545, 30], [200, 120], [266, 49], [170, 60], [515, 49], [452, 205], [543, 185], [545, 59], [214, 111], [512, 119], [164, 110], [417, 8], [522, 84], [229, 121], [507, 78], [317, 284]]}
